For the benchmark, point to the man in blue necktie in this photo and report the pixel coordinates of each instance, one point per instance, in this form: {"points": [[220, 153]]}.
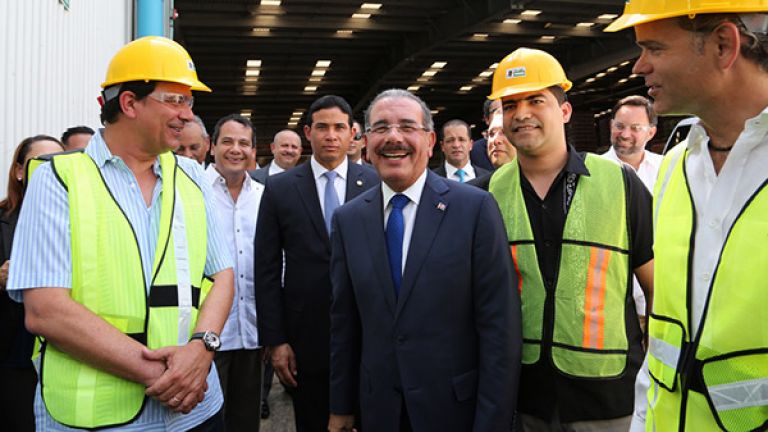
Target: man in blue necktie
{"points": [[428, 338], [294, 221], [456, 143]]}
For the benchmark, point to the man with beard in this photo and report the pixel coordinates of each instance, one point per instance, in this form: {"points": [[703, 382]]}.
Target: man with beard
{"points": [[632, 126]]}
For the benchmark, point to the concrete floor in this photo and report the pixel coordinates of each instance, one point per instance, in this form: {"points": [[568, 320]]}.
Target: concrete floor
{"points": [[281, 418]]}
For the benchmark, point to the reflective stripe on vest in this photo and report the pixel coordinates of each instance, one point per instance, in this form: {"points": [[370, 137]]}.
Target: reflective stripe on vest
{"points": [[719, 375], [593, 278], [108, 279]]}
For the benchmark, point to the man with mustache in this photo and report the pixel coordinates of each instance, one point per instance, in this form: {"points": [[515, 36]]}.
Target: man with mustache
{"points": [[632, 126], [578, 226], [294, 221], [707, 355], [425, 319]]}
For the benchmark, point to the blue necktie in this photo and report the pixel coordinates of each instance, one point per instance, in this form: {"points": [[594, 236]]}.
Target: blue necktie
{"points": [[331, 199], [395, 231], [461, 174]]}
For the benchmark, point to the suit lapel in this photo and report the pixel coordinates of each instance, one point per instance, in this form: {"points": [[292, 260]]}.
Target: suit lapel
{"points": [[429, 215], [305, 184], [373, 220], [356, 183]]}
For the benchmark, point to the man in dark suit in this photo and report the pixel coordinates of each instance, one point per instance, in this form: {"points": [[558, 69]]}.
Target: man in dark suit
{"points": [[294, 217], [425, 317], [286, 150], [456, 144]]}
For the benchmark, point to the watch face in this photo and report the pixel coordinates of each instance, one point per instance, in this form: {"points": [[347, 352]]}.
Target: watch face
{"points": [[211, 340]]}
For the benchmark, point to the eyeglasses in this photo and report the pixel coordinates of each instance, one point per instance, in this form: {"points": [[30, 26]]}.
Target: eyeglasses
{"points": [[358, 136], [633, 127], [403, 128], [177, 100]]}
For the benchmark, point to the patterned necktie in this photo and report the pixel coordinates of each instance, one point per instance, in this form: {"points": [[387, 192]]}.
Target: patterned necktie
{"points": [[461, 175], [331, 199], [395, 231]]}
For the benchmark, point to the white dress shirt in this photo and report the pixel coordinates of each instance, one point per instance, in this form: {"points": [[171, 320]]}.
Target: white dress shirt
{"points": [[409, 211], [718, 200], [469, 172], [648, 171], [649, 166], [340, 183], [238, 225], [274, 168]]}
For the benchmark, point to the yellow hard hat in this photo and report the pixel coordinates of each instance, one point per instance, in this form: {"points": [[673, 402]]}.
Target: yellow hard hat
{"points": [[643, 11], [526, 70], [153, 58]]}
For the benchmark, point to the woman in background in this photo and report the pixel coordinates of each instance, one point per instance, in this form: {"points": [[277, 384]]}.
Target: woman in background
{"points": [[17, 375]]}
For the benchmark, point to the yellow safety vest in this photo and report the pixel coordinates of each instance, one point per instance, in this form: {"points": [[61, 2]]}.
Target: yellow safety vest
{"points": [[108, 279], [588, 336], [717, 379]]}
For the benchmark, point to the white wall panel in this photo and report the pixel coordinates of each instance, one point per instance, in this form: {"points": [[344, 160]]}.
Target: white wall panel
{"points": [[52, 61]]}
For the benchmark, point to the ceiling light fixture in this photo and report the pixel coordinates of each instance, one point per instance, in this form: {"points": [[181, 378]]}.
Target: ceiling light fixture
{"points": [[318, 72], [261, 30], [466, 88], [429, 73], [270, 2], [480, 35], [607, 16], [343, 32], [585, 24], [374, 6], [361, 15], [512, 21], [413, 88], [310, 88], [530, 12], [547, 38], [323, 64], [438, 65], [253, 63], [252, 72]]}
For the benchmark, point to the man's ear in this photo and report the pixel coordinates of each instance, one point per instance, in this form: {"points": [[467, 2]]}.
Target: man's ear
{"points": [[727, 38], [128, 101], [567, 110]]}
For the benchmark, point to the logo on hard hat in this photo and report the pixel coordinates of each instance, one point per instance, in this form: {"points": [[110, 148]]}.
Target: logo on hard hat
{"points": [[517, 72], [190, 65]]}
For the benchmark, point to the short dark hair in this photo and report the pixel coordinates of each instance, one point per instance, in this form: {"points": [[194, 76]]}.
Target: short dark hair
{"points": [[74, 130], [111, 107], [487, 108], [330, 101], [455, 122], [558, 93], [754, 47], [235, 118], [637, 101]]}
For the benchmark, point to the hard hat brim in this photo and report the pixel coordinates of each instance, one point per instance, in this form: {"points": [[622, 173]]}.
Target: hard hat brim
{"points": [[630, 20], [195, 85], [509, 91]]}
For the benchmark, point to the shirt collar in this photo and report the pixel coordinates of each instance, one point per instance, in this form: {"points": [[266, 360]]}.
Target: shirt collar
{"points": [[611, 154], [274, 168], [214, 177], [413, 192], [575, 163], [98, 150], [318, 170], [450, 170]]}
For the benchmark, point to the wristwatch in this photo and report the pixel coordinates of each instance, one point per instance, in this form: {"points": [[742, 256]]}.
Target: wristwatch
{"points": [[210, 340]]}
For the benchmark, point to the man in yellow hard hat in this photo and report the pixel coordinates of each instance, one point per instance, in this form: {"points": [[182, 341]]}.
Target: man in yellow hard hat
{"points": [[579, 227], [707, 360], [115, 252]]}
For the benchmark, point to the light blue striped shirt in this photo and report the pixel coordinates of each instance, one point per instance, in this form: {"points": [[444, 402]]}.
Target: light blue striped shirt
{"points": [[44, 223]]}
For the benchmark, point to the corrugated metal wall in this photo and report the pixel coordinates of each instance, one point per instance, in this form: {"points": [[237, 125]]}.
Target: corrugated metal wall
{"points": [[52, 61]]}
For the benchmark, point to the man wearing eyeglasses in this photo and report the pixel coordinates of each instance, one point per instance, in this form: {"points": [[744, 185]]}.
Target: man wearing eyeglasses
{"points": [[425, 322], [115, 250], [632, 126], [294, 221]]}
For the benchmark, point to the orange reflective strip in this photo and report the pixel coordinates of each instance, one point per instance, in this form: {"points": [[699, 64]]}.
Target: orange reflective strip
{"points": [[513, 248], [594, 298]]}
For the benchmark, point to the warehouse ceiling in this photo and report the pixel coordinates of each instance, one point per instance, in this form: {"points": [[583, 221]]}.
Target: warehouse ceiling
{"points": [[271, 59]]}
